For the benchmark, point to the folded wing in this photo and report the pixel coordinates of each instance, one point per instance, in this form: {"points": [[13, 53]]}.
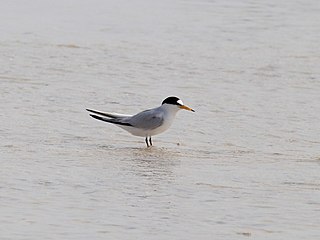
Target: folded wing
{"points": [[107, 114], [148, 120], [118, 121]]}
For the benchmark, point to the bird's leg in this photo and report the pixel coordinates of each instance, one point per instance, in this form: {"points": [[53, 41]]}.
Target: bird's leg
{"points": [[147, 142], [150, 141]]}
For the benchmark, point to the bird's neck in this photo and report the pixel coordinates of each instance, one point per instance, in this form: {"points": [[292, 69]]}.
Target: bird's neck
{"points": [[170, 110]]}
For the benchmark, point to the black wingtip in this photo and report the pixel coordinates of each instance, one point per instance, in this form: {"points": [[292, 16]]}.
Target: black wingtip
{"points": [[109, 120], [97, 117]]}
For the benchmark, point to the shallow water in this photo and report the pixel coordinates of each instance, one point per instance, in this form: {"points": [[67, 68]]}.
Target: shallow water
{"points": [[246, 164]]}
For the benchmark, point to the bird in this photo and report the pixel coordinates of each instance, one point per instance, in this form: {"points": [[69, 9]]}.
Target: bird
{"points": [[146, 123]]}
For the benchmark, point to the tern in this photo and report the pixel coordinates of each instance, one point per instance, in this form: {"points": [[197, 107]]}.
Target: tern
{"points": [[146, 123]]}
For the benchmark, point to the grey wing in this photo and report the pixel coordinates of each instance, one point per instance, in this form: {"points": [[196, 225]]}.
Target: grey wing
{"points": [[149, 119]]}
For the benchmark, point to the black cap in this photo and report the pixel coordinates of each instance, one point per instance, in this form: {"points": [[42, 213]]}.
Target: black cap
{"points": [[172, 100]]}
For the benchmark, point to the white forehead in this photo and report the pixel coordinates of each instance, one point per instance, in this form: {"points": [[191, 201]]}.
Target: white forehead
{"points": [[180, 102]]}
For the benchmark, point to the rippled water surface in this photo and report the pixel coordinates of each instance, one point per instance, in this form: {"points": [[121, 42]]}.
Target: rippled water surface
{"points": [[246, 164]]}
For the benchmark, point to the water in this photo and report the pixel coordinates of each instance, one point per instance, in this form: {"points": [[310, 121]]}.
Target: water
{"points": [[246, 164]]}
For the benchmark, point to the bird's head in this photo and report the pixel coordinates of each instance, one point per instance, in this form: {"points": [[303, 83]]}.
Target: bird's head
{"points": [[176, 102]]}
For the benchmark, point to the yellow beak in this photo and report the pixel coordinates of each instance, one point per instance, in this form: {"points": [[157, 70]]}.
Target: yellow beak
{"points": [[186, 108]]}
